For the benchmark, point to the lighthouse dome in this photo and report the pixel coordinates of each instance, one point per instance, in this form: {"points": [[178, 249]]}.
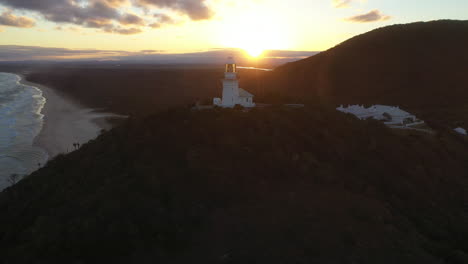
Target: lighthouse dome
{"points": [[231, 68]]}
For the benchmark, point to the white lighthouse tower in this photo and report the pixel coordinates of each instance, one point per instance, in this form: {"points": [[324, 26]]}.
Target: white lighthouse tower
{"points": [[232, 94]]}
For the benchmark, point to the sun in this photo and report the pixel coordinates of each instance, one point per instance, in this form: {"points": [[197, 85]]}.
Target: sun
{"points": [[254, 52], [254, 31]]}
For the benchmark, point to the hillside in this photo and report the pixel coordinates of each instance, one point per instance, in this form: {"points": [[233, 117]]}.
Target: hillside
{"points": [[421, 66], [274, 185], [136, 89], [126, 90]]}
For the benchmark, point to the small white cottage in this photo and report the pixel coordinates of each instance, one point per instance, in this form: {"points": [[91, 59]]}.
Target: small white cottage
{"points": [[461, 131], [390, 115], [232, 94]]}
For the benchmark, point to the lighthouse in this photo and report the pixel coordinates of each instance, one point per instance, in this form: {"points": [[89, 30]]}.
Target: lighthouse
{"points": [[232, 94]]}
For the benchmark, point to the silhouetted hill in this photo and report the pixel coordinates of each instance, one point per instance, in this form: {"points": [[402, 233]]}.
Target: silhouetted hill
{"points": [[421, 66], [274, 185]]}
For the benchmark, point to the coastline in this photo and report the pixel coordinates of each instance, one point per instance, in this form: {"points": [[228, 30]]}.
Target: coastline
{"points": [[66, 122]]}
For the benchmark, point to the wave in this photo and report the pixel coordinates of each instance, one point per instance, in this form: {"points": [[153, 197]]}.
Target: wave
{"points": [[21, 121]]}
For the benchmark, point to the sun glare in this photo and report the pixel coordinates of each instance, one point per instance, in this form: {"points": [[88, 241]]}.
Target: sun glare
{"points": [[253, 31], [254, 51]]}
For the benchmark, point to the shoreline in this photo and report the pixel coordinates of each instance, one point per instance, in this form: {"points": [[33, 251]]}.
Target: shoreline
{"points": [[65, 122]]}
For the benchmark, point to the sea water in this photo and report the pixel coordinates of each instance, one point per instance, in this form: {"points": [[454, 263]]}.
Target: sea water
{"points": [[20, 122]]}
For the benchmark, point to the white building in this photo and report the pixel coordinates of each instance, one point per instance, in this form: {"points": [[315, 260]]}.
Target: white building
{"points": [[461, 131], [391, 115], [232, 94]]}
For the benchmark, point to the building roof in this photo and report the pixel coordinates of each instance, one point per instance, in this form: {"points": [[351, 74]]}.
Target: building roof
{"points": [[460, 130], [374, 110], [244, 93], [394, 111]]}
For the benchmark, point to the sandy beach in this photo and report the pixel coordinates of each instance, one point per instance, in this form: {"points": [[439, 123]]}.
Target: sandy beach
{"points": [[66, 122]]}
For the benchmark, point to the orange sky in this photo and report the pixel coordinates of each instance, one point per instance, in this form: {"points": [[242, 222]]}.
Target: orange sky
{"points": [[195, 25]]}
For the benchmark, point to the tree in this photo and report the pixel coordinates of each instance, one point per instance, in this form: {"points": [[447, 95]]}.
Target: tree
{"points": [[13, 179]]}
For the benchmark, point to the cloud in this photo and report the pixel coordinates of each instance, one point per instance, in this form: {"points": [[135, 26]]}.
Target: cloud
{"points": [[111, 15], [131, 19], [18, 53], [195, 9], [9, 19], [162, 19], [152, 51], [341, 3], [126, 31], [372, 16], [116, 3]]}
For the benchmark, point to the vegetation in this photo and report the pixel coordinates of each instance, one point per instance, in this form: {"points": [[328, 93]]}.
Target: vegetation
{"points": [[139, 90], [133, 91], [421, 67], [13, 179], [274, 185]]}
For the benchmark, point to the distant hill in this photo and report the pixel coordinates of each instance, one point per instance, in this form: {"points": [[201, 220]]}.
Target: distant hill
{"points": [[14, 56], [275, 185], [421, 66]]}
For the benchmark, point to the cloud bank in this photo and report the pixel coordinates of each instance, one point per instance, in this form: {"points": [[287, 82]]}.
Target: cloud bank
{"points": [[216, 56], [8, 19], [372, 16], [21, 53], [195, 9], [112, 16]]}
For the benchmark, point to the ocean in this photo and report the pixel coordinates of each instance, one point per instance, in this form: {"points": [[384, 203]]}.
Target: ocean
{"points": [[20, 122]]}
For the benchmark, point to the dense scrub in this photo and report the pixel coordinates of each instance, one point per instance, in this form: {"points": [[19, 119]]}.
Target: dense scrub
{"points": [[133, 91], [274, 185]]}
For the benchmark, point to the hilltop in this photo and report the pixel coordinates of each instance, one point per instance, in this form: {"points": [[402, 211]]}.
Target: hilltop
{"points": [[275, 185], [420, 66]]}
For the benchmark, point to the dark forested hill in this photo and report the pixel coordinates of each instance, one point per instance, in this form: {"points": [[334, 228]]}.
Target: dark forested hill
{"points": [[126, 90], [138, 89], [421, 66], [274, 185]]}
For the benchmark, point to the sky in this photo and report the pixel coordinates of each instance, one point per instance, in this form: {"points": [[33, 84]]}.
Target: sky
{"points": [[181, 26]]}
